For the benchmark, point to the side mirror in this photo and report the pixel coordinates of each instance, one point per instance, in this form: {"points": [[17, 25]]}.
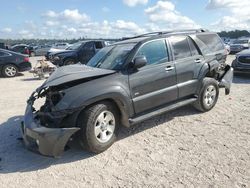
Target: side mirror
{"points": [[140, 62]]}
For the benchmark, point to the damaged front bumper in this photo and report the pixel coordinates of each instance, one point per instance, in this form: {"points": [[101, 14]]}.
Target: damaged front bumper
{"points": [[227, 78], [47, 141]]}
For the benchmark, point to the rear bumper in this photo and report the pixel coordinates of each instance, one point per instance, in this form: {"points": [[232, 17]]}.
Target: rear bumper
{"points": [[47, 141], [227, 79]]}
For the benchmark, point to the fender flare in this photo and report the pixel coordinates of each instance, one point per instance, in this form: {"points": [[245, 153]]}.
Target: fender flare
{"points": [[206, 68]]}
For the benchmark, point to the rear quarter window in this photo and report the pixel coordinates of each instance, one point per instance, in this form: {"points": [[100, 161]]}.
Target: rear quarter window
{"points": [[212, 41], [181, 47]]}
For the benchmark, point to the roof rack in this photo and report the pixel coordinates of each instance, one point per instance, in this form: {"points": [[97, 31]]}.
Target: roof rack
{"points": [[167, 32]]}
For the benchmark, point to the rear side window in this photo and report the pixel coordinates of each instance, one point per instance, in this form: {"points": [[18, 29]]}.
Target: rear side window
{"points": [[193, 48], [98, 45], [181, 47], [89, 46], [155, 52], [212, 41]]}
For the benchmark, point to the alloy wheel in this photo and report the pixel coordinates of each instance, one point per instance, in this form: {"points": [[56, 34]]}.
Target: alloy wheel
{"points": [[104, 126]]}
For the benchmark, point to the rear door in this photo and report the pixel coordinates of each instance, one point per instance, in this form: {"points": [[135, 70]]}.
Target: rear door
{"points": [[154, 84], [188, 62]]}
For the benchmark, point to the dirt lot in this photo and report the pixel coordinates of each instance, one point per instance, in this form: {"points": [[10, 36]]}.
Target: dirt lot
{"points": [[182, 148]]}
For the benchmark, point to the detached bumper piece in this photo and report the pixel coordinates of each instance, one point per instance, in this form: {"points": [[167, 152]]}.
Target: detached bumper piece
{"points": [[47, 141], [227, 79]]}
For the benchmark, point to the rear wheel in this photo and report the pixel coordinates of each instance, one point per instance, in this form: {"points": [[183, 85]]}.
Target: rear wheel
{"points": [[9, 70], [99, 125], [208, 96]]}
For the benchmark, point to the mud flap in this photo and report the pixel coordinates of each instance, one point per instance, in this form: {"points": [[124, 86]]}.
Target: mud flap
{"points": [[227, 79]]}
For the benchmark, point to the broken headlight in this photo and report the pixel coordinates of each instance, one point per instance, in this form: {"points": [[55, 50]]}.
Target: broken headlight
{"points": [[56, 97]]}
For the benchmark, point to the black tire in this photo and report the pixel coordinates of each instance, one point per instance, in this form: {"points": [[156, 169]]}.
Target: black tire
{"points": [[68, 62], [6, 73], [206, 101], [88, 121]]}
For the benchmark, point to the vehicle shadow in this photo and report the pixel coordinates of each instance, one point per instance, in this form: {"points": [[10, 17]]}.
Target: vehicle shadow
{"points": [[241, 78], [14, 157], [32, 79]]}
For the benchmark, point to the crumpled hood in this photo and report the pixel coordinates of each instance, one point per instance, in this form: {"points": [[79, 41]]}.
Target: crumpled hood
{"points": [[74, 72]]}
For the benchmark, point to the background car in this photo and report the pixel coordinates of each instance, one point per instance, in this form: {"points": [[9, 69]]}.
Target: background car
{"points": [[11, 63], [242, 62], [42, 50], [57, 48], [23, 49], [239, 45], [81, 51]]}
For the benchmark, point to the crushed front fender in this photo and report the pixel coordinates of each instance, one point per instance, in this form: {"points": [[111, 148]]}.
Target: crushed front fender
{"points": [[47, 141], [226, 80]]}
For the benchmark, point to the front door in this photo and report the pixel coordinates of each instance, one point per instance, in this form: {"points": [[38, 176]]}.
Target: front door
{"points": [[154, 84]]}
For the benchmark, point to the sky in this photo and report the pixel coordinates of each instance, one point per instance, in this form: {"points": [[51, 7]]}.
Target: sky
{"points": [[66, 19]]}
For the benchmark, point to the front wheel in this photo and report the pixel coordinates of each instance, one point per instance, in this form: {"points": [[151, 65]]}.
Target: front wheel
{"points": [[208, 95], [99, 125]]}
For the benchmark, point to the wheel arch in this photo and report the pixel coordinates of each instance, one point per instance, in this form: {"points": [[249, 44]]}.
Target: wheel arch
{"points": [[118, 103], [209, 70]]}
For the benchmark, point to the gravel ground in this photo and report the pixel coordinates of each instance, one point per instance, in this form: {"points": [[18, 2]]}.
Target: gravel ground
{"points": [[182, 148]]}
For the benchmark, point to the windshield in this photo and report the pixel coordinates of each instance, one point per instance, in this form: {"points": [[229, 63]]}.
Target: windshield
{"points": [[111, 57], [75, 46], [240, 42]]}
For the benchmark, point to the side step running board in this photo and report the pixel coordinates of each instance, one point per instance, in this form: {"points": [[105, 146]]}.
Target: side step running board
{"points": [[161, 111]]}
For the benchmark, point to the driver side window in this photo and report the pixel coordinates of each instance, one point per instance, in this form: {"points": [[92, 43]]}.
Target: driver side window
{"points": [[155, 51]]}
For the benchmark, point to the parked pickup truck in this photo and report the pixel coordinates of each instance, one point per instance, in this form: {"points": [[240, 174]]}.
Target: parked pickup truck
{"points": [[124, 84], [81, 52]]}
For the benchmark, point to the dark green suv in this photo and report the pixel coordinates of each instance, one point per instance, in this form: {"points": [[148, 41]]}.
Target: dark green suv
{"points": [[124, 84]]}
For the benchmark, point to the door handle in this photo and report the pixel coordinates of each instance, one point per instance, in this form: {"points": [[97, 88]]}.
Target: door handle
{"points": [[197, 61], [169, 68]]}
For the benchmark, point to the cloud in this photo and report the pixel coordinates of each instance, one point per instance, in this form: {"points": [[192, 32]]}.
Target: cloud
{"points": [[239, 14], [133, 3], [6, 30], [106, 29], [163, 13], [51, 14], [67, 15], [50, 23]]}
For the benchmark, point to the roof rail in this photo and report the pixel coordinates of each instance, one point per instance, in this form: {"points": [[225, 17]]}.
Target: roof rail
{"points": [[167, 32]]}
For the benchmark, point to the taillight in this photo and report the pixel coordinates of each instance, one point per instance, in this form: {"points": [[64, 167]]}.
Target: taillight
{"points": [[26, 59]]}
